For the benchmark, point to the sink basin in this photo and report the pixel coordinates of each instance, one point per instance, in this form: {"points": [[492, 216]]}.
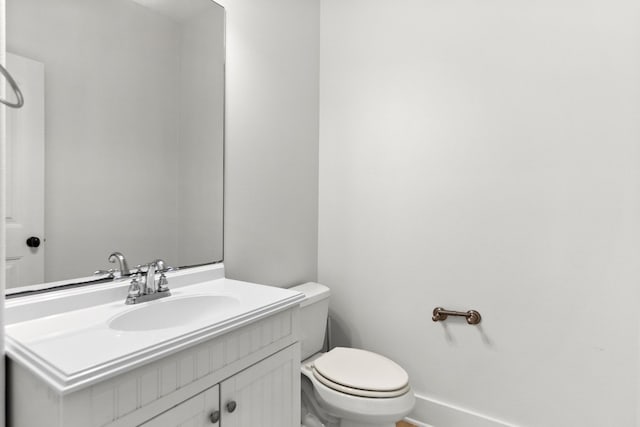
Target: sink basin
{"points": [[173, 312]]}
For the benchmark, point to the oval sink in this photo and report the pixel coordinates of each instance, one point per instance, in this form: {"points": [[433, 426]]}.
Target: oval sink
{"points": [[172, 312]]}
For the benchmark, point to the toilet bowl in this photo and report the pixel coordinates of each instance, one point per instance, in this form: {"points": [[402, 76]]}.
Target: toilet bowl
{"points": [[346, 387]]}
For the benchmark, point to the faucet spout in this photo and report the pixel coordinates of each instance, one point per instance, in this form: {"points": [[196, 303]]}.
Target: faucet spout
{"points": [[151, 277], [122, 263], [151, 286]]}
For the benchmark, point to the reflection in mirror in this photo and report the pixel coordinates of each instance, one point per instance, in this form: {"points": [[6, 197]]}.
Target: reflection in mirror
{"points": [[120, 144]]}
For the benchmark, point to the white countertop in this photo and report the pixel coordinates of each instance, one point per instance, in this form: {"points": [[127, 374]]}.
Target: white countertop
{"points": [[73, 349]]}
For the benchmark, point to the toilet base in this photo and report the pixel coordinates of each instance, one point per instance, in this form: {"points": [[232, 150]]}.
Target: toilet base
{"points": [[329, 408], [314, 416]]}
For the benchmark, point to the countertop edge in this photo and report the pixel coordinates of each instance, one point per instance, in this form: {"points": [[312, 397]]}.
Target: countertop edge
{"points": [[66, 384]]}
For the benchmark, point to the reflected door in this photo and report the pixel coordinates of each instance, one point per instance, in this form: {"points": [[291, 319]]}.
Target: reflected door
{"points": [[25, 176]]}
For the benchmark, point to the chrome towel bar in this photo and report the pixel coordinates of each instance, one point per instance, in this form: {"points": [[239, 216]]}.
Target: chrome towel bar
{"points": [[20, 99], [473, 317]]}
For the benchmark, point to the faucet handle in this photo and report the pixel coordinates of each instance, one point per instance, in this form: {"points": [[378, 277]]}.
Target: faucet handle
{"points": [[138, 269], [134, 287], [134, 291], [111, 273], [162, 283]]}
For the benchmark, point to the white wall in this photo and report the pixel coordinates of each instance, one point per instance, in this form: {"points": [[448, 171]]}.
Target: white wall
{"points": [[271, 144], [486, 155]]}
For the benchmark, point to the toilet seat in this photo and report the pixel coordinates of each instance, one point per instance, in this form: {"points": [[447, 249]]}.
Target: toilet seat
{"points": [[361, 373], [358, 392]]}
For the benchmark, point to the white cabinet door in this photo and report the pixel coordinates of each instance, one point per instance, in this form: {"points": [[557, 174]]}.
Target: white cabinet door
{"points": [[266, 394], [195, 412]]}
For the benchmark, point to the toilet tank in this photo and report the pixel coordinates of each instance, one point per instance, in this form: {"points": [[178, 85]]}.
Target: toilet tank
{"points": [[314, 310]]}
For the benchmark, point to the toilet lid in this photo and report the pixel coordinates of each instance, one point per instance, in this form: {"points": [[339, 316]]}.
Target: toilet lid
{"points": [[361, 371]]}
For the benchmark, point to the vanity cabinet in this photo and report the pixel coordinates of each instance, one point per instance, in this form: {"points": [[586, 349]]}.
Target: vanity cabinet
{"points": [[261, 395], [257, 366]]}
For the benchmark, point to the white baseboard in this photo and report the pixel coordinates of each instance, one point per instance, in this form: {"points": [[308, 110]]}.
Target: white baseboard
{"points": [[433, 413]]}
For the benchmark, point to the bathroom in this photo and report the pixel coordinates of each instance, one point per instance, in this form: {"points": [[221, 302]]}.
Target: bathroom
{"points": [[469, 155]]}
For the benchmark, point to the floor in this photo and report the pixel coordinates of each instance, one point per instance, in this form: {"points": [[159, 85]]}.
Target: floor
{"points": [[404, 424]]}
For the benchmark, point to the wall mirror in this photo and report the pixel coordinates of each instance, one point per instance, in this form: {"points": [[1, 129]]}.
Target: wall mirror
{"points": [[119, 146]]}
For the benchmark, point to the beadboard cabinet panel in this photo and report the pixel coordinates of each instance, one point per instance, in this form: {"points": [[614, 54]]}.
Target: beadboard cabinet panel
{"points": [[266, 394]]}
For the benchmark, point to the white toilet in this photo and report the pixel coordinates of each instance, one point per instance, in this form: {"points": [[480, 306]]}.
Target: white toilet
{"points": [[346, 387]]}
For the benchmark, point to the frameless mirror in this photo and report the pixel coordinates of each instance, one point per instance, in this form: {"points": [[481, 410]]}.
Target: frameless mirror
{"points": [[119, 146]]}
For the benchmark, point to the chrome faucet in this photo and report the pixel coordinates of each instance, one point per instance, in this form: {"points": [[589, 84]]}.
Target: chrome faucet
{"points": [[147, 289], [122, 262]]}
